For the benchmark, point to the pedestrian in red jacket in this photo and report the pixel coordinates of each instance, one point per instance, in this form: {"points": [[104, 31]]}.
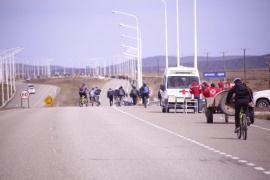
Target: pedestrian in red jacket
{"points": [[196, 90], [221, 85], [211, 91]]}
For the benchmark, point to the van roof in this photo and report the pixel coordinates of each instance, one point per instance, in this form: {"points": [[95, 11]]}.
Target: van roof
{"points": [[181, 70]]}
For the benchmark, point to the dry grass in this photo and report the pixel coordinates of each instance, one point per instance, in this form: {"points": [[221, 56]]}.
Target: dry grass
{"points": [[68, 95], [264, 113]]}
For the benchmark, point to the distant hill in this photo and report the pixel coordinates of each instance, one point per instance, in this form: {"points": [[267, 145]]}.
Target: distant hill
{"points": [[214, 63]]}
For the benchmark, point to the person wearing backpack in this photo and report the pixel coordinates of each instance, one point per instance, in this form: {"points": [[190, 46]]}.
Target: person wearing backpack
{"points": [[144, 91], [92, 94], [134, 94], [110, 94], [243, 96], [121, 94]]}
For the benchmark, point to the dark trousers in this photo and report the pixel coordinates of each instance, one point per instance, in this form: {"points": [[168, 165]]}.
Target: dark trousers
{"points": [[146, 95], [82, 94], [111, 100], [134, 99], [238, 104]]}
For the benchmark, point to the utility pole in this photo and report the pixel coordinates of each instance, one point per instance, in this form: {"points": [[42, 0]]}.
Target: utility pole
{"points": [[244, 63], [207, 61], [268, 70], [223, 54]]}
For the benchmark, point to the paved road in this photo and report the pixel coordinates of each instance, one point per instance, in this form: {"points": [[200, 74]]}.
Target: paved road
{"points": [[35, 100], [128, 143]]}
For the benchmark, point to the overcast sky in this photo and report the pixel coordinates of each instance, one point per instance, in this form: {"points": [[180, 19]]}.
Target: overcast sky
{"points": [[74, 30]]}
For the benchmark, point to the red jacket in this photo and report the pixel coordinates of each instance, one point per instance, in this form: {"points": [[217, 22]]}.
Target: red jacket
{"points": [[211, 91], [221, 85], [195, 89]]}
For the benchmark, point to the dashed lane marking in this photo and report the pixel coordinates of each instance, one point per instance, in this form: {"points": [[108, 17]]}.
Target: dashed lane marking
{"points": [[197, 143]]}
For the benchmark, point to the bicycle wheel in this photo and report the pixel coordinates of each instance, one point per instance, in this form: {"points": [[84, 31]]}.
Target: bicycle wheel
{"points": [[80, 103], [86, 102], [239, 133], [244, 125], [145, 101], [241, 127]]}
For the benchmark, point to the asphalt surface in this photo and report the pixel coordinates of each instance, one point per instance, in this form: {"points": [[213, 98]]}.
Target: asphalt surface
{"points": [[34, 100], [128, 142]]}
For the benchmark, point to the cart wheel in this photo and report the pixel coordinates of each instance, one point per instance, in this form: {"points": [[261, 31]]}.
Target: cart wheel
{"points": [[209, 115], [228, 110], [163, 110]]}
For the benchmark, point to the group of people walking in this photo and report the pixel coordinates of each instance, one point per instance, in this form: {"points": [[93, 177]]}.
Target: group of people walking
{"points": [[118, 94]]}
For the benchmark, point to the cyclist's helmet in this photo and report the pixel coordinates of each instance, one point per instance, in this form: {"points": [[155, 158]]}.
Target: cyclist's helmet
{"points": [[236, 80], [144, 84], [83, 83]]}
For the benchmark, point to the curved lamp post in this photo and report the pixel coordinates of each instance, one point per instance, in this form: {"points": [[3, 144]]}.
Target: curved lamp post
{"points": [[140, 50], [138, 43]]}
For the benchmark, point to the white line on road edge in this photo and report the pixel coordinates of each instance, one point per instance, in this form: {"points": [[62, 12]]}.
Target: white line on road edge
{"points": [[251, 125], [197, 143], [260, 127]]}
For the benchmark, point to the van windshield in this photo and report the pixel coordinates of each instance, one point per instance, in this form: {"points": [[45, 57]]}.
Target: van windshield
{"points": [[180, 82]]}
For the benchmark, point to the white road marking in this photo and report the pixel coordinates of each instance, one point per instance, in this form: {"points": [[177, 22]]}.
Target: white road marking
{"points": [[193, 141], [259, 168], [251, 125], [260, 127]]}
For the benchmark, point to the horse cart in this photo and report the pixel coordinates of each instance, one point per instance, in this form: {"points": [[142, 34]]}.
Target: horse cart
{"points": [[216, 105]]}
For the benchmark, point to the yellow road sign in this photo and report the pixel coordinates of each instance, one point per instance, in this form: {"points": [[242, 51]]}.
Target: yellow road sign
{"points": [[49, 101]]}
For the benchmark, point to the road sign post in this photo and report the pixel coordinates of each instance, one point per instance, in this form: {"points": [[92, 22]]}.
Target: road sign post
{"points": [[49, 101], [24, 94]]}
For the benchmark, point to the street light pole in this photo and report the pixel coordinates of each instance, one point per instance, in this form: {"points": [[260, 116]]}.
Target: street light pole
{"points": [[166, 33], [138, 45], [195, 35], [177, 32]]}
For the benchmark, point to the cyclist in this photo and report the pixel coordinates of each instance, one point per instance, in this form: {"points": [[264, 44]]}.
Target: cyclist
{"points": [[243, 96], [82, 90], [144, 91]]}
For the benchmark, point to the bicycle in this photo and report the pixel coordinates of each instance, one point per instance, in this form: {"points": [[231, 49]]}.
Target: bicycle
{"points": [[83, 101], [243, 125], [145, 100]]}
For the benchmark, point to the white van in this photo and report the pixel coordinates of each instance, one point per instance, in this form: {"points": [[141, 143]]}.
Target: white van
{"points": [[176, 82]]}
